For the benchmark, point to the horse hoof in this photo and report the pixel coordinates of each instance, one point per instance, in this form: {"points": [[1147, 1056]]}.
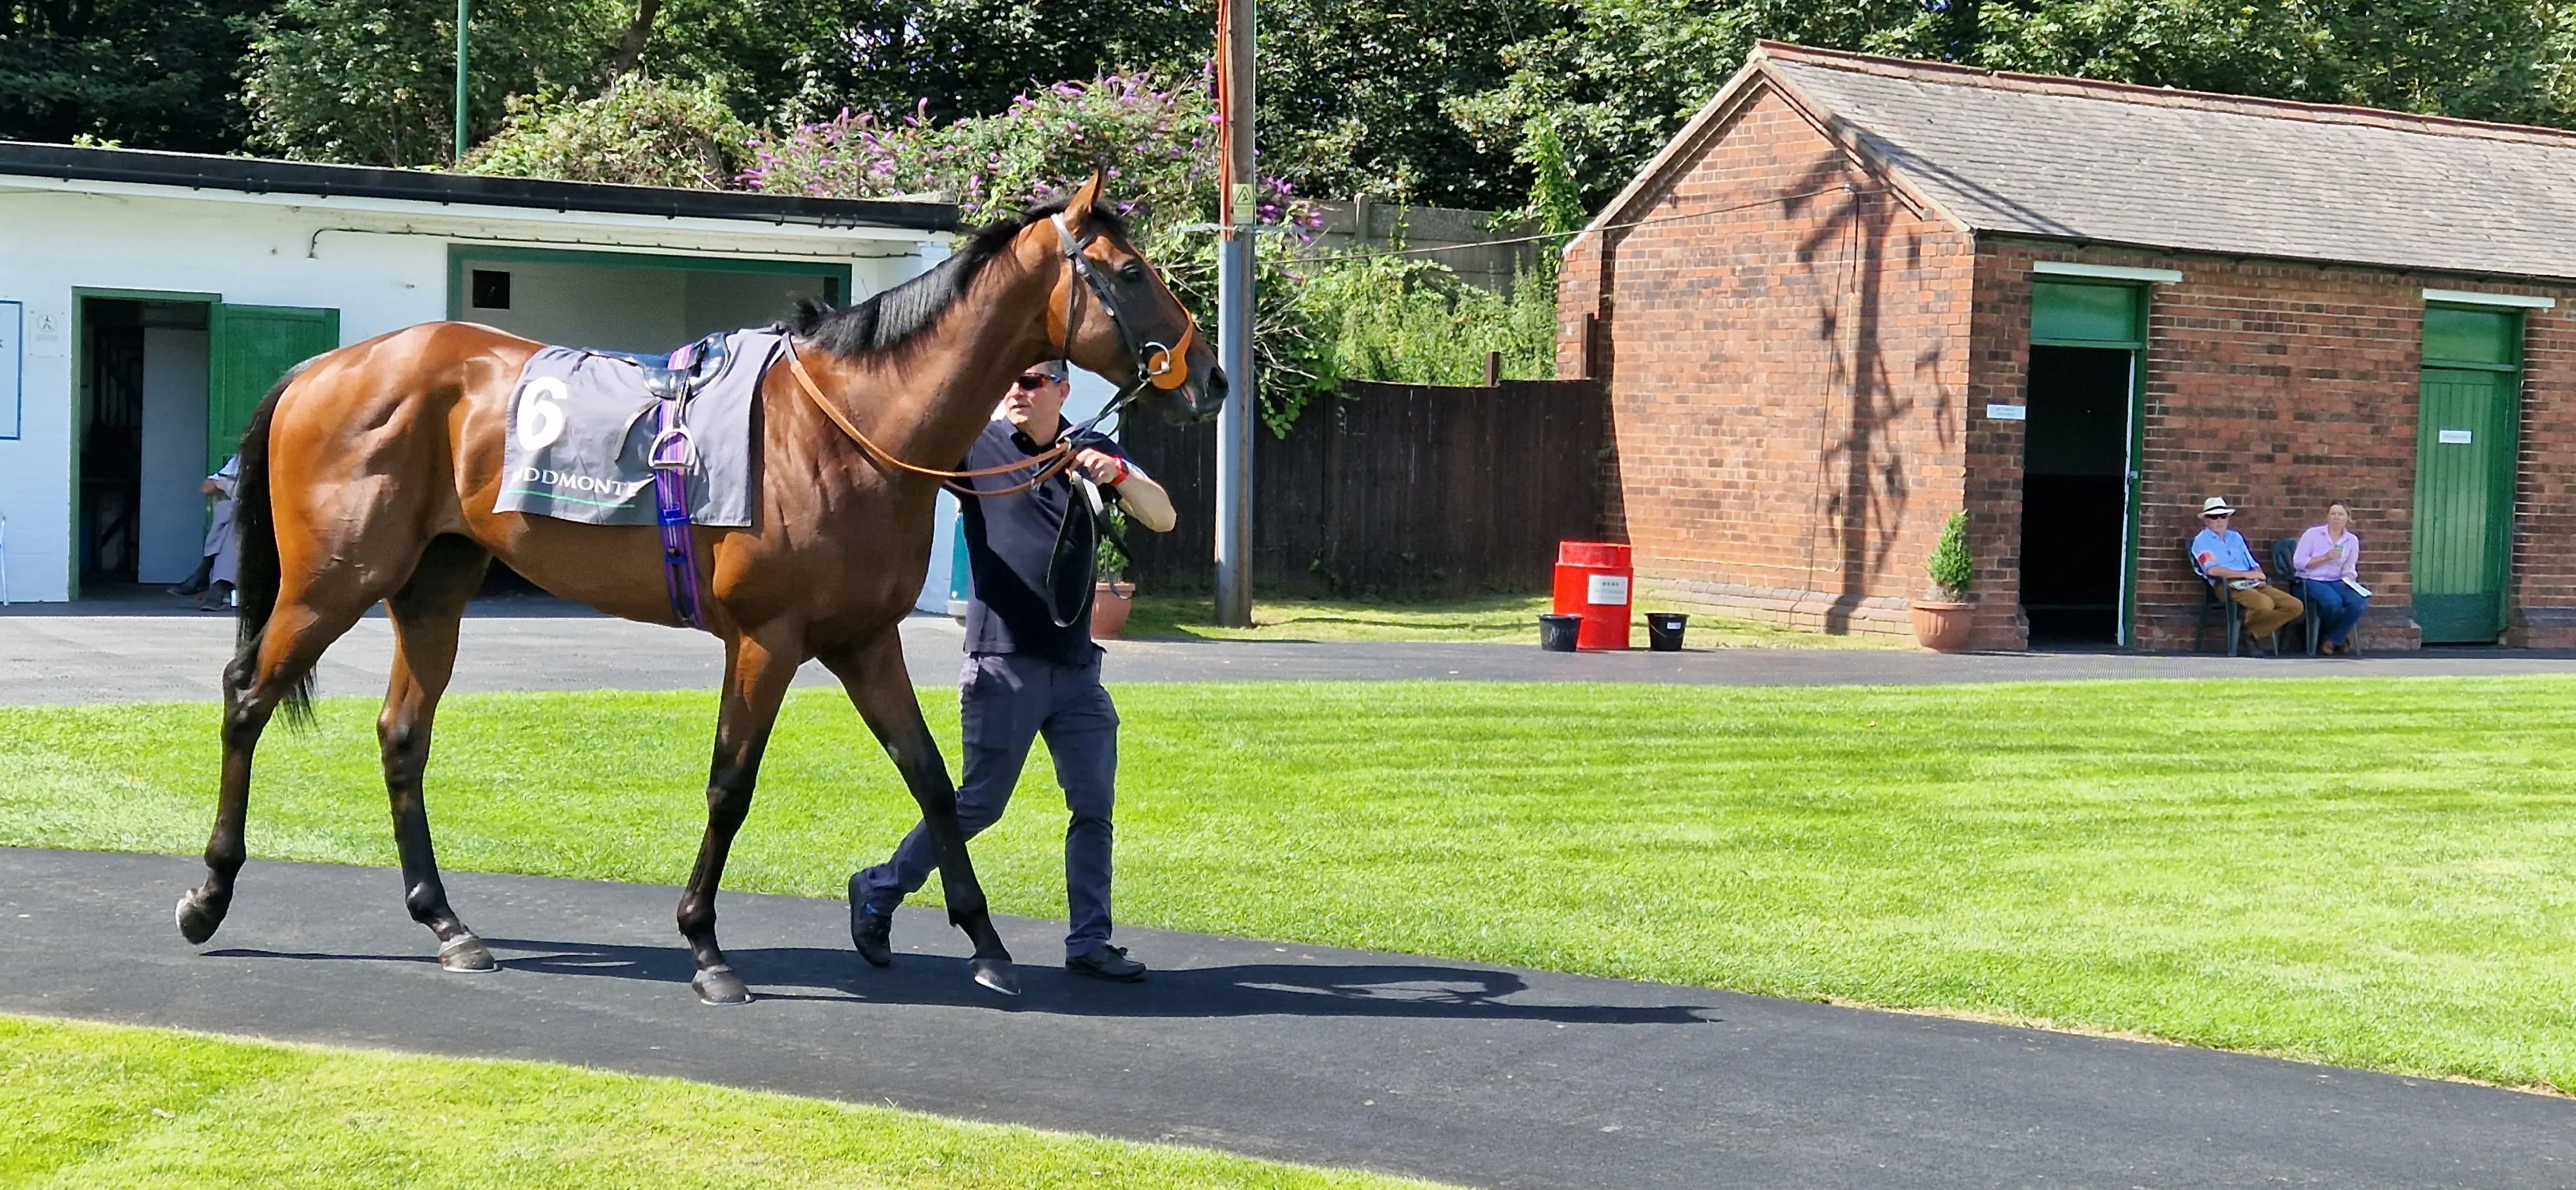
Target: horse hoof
{"points": [[197, 922], [995, 974], [465, 952], [719, 985]]}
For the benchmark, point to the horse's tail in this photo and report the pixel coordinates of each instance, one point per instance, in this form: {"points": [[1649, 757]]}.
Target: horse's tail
{"points": [[256, 585]]}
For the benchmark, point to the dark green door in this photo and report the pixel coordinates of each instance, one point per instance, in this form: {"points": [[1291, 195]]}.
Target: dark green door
{"points": [[249, 348], [2464, 468]]}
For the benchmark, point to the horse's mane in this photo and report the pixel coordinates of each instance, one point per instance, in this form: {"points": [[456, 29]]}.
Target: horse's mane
{"points": [[890, 318]]}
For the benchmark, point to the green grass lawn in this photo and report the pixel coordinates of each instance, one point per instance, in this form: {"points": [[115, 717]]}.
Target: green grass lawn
{"points": [[109, 1106], [1510, 618], [2379, 873]]}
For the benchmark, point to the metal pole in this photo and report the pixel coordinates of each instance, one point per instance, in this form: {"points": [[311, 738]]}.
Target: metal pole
{"points": [[1234, 424], [464, 13]]}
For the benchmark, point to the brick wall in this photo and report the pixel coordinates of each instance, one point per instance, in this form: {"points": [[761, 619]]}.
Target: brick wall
{"points": [[2283, 387], [1786, 374], [2543, 613]]}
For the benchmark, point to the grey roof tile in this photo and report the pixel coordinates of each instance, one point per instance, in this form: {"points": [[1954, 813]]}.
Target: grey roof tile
{"points": [[2109, 163]]}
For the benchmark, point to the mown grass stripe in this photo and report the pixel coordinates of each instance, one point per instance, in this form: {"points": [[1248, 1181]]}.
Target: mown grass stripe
{"points": [[2374, 872]]}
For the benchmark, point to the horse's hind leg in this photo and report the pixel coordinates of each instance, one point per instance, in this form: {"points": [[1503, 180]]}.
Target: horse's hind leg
{"points": [[757, 671], [425, 616], [306, 619]]}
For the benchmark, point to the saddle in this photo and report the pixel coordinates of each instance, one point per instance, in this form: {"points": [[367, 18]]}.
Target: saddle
{"points": [[678, 375]]}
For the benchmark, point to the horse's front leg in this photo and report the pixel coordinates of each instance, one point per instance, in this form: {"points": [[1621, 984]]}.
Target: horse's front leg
{"points": [[758, 668], [881, 688]]}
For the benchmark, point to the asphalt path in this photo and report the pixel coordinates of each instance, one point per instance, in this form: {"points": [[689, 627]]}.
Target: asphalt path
{"points": [[83, 653], [1480, 1075]]}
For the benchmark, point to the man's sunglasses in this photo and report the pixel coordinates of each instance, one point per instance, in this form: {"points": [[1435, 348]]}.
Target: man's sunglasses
{"points": [[2216, 516], [1030, 382]]}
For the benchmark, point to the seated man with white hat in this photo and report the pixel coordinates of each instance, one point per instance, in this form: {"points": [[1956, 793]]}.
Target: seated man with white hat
{"points": [[2220, 553]]}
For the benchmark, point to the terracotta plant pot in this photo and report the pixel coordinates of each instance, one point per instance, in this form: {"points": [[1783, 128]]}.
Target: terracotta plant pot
{"points": [[1110, 604], [1942, 627]]}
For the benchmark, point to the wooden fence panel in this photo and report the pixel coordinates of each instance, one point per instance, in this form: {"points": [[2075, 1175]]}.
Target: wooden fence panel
{"points": [[1393, 490]]}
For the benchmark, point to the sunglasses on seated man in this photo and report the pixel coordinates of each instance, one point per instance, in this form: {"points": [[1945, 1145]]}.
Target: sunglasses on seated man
{"points": [[1030, 382]]}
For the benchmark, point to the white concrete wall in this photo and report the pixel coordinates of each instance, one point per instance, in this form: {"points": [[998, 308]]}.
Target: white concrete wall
{"points": [[172, 520], [382, 265]]}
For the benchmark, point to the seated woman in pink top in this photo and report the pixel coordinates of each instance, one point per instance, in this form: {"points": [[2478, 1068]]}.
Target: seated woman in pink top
{"points": [[2327, 560]]}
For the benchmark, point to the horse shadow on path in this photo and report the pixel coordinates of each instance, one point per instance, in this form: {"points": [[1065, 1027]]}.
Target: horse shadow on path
{"points": [[1424, 990]]}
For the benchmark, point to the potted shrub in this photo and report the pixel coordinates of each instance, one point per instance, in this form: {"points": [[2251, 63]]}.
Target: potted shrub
{"points": [[1111, 600], [1941, 622]]}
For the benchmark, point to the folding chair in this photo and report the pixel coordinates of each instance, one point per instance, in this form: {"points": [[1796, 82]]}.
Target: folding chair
{"points": [[2284, 550], [2216, 590]]}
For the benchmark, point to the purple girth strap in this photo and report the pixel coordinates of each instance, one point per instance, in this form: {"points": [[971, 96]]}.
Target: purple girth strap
{"points": [[674, 453]]}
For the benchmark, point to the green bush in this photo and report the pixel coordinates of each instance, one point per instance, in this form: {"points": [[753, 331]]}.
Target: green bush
{"points": [[641, 131], [1396, 318], [1950, 567]]}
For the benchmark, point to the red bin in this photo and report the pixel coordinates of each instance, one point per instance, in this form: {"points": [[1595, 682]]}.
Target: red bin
{"points": [[1592, 581]]}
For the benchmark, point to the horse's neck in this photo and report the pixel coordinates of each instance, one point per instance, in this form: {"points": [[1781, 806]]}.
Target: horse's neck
{"points": [[928, 405]]}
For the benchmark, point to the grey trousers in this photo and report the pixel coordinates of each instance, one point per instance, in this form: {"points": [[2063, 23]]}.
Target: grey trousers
{"points": [[1005, 701]]}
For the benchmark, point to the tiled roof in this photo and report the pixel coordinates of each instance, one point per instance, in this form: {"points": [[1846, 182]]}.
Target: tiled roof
{"points": [[2109, 162]]}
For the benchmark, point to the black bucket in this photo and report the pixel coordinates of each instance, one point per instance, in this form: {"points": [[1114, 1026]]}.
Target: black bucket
{"points": [[1556, 633], [1664, 631]]}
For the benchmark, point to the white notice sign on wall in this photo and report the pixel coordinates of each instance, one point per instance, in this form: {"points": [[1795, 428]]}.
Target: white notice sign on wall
{"points": [[13, 366], [46, 334], [1611, 589], [2008, 413], [2456, 437]]}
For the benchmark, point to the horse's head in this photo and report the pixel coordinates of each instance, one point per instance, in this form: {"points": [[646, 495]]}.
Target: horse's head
{"points": [[1115, 316]]}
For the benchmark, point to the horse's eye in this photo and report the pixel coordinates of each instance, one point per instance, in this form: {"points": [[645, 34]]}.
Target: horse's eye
{"points": [[1133, 270]]}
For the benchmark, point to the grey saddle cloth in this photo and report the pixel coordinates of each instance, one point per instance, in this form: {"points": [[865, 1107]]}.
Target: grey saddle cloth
{"points": [[582, 424]]}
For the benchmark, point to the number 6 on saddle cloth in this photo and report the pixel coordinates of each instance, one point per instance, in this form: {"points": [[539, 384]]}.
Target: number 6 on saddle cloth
{"points": [[591, 433]]}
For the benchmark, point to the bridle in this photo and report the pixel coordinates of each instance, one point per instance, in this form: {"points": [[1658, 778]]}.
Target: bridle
{"points": [[1153, 364]]}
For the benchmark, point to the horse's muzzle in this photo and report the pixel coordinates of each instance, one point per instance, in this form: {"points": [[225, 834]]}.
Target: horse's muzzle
{"points": [[1207, 398]]}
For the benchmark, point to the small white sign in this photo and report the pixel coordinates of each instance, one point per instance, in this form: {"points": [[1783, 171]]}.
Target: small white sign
{"points": [[2008, 413], [46, 335], [1609, 589], [2455, 438]]}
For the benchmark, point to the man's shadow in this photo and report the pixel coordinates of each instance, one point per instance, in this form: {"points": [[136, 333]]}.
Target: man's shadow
{"points": [[1426, 989]]}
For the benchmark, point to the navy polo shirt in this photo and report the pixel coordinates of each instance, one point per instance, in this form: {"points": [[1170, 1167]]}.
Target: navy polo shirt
{"points": [[1010, 542]]}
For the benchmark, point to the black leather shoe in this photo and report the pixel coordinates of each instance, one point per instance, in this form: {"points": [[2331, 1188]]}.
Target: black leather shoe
{"points": [[1108, 962], [871, 932]]}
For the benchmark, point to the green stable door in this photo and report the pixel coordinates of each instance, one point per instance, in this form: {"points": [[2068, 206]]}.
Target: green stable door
{"points": [[251, 348], [2464, 471]]}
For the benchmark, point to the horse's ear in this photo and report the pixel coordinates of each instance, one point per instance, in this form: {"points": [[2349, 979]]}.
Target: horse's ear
{"points": [[1079, 208]]}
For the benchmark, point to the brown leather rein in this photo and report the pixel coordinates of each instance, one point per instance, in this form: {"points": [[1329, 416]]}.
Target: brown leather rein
{"points": [[1051, 462]]}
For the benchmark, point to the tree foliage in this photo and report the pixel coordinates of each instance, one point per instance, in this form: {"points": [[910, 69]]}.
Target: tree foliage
{"points": [[373, 81], [1616, 78], [155, 73]]}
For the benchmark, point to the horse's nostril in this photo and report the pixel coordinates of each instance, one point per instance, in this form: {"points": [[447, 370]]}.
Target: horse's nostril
{"points": [[1216, 387]]}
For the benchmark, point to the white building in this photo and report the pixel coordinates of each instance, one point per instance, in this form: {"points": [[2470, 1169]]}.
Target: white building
{"points": [[148, 300]]}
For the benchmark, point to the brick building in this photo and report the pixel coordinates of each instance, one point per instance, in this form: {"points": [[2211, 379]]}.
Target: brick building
{"points": [[1856, 294]]}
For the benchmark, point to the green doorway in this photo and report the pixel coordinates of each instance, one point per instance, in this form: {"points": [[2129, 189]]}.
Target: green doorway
{"points": [[2078, 517], [165, 384], [2466, 445]]}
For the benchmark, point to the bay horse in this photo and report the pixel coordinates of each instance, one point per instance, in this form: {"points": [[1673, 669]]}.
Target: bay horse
{"points": [[369, 474]]}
